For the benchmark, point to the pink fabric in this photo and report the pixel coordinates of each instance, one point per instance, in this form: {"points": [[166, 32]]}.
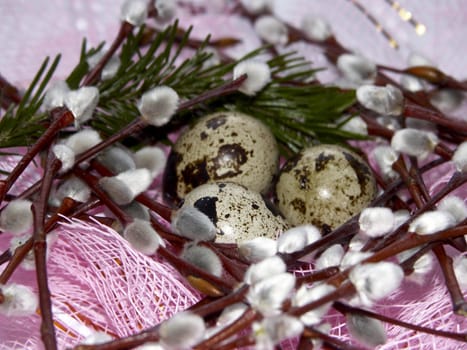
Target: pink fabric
{"points": [[94, 274]]}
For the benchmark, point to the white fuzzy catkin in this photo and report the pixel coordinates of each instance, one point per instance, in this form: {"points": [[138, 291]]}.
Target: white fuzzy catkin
{"points": [[387, 100], [376, 221], [151, 158], [297, 238], [388, 121], [96, 338], [412, 83], [16, 217], [307, 295], [357, 243], [142, 237], [83, 140], [374, 281], [82, 103], [266, 268], [460, 270], [117, 159], [367, 330], [124, 187], [166, 10], [258, 75], [73, 188], [55, 95], [214, 58], [19, 300], [231, 313], [413, 142], [256, 7], [447, 100], [134, 12], [137, 211], [281, 327], [400, 217], [316, 28], [291, 241], [332, 256], [422, 266], [94, 59], [324, 328], [431, 222], [151, 346], [158, 105], [385, 156], [267, 295], [257, 249], [271, 30], [111, 68], [65, 155], [353, 257], [355, 125], [182, 331], [455, 206], [356, 68], [203, 258], [29, 261], [460, 157], [192, 223]]}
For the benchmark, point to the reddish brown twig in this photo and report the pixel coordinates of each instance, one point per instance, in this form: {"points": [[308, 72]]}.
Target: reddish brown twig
{"points": [[62, 117], [40, 252], [125, 29], [445, 261], [9, 94], [241, 323], [344, 308]]}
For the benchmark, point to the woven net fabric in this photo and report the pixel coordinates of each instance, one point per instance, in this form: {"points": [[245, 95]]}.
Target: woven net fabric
{"points": [[98, 282], [129, 291]]}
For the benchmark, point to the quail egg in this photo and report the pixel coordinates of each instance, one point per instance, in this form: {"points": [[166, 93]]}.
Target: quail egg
{"points": [[238, 213], [325, 186], [222, 147]]}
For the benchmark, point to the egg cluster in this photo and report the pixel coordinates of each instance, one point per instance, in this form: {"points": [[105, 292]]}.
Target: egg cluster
{"points": [[227, 166]]}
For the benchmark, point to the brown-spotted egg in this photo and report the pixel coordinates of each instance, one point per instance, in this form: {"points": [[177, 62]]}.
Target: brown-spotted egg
{"points": [[238, 213], [325, 186], [222, 147]]}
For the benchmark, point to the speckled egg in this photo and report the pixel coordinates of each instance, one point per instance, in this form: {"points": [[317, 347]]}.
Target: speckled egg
{"points": [[226, 147], [238, 213], [324, 185]]}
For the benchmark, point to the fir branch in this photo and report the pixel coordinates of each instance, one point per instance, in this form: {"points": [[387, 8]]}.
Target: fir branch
{"points": [[298, 113], [82, 68], [23, 124]]}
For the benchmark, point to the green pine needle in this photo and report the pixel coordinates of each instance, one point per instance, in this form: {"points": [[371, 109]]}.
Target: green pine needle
{"points": [[22, 125], [298, 113]]}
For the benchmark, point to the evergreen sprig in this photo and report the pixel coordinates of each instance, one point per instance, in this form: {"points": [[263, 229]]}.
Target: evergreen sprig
{"points": [[298, 112], [23, 124]]}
